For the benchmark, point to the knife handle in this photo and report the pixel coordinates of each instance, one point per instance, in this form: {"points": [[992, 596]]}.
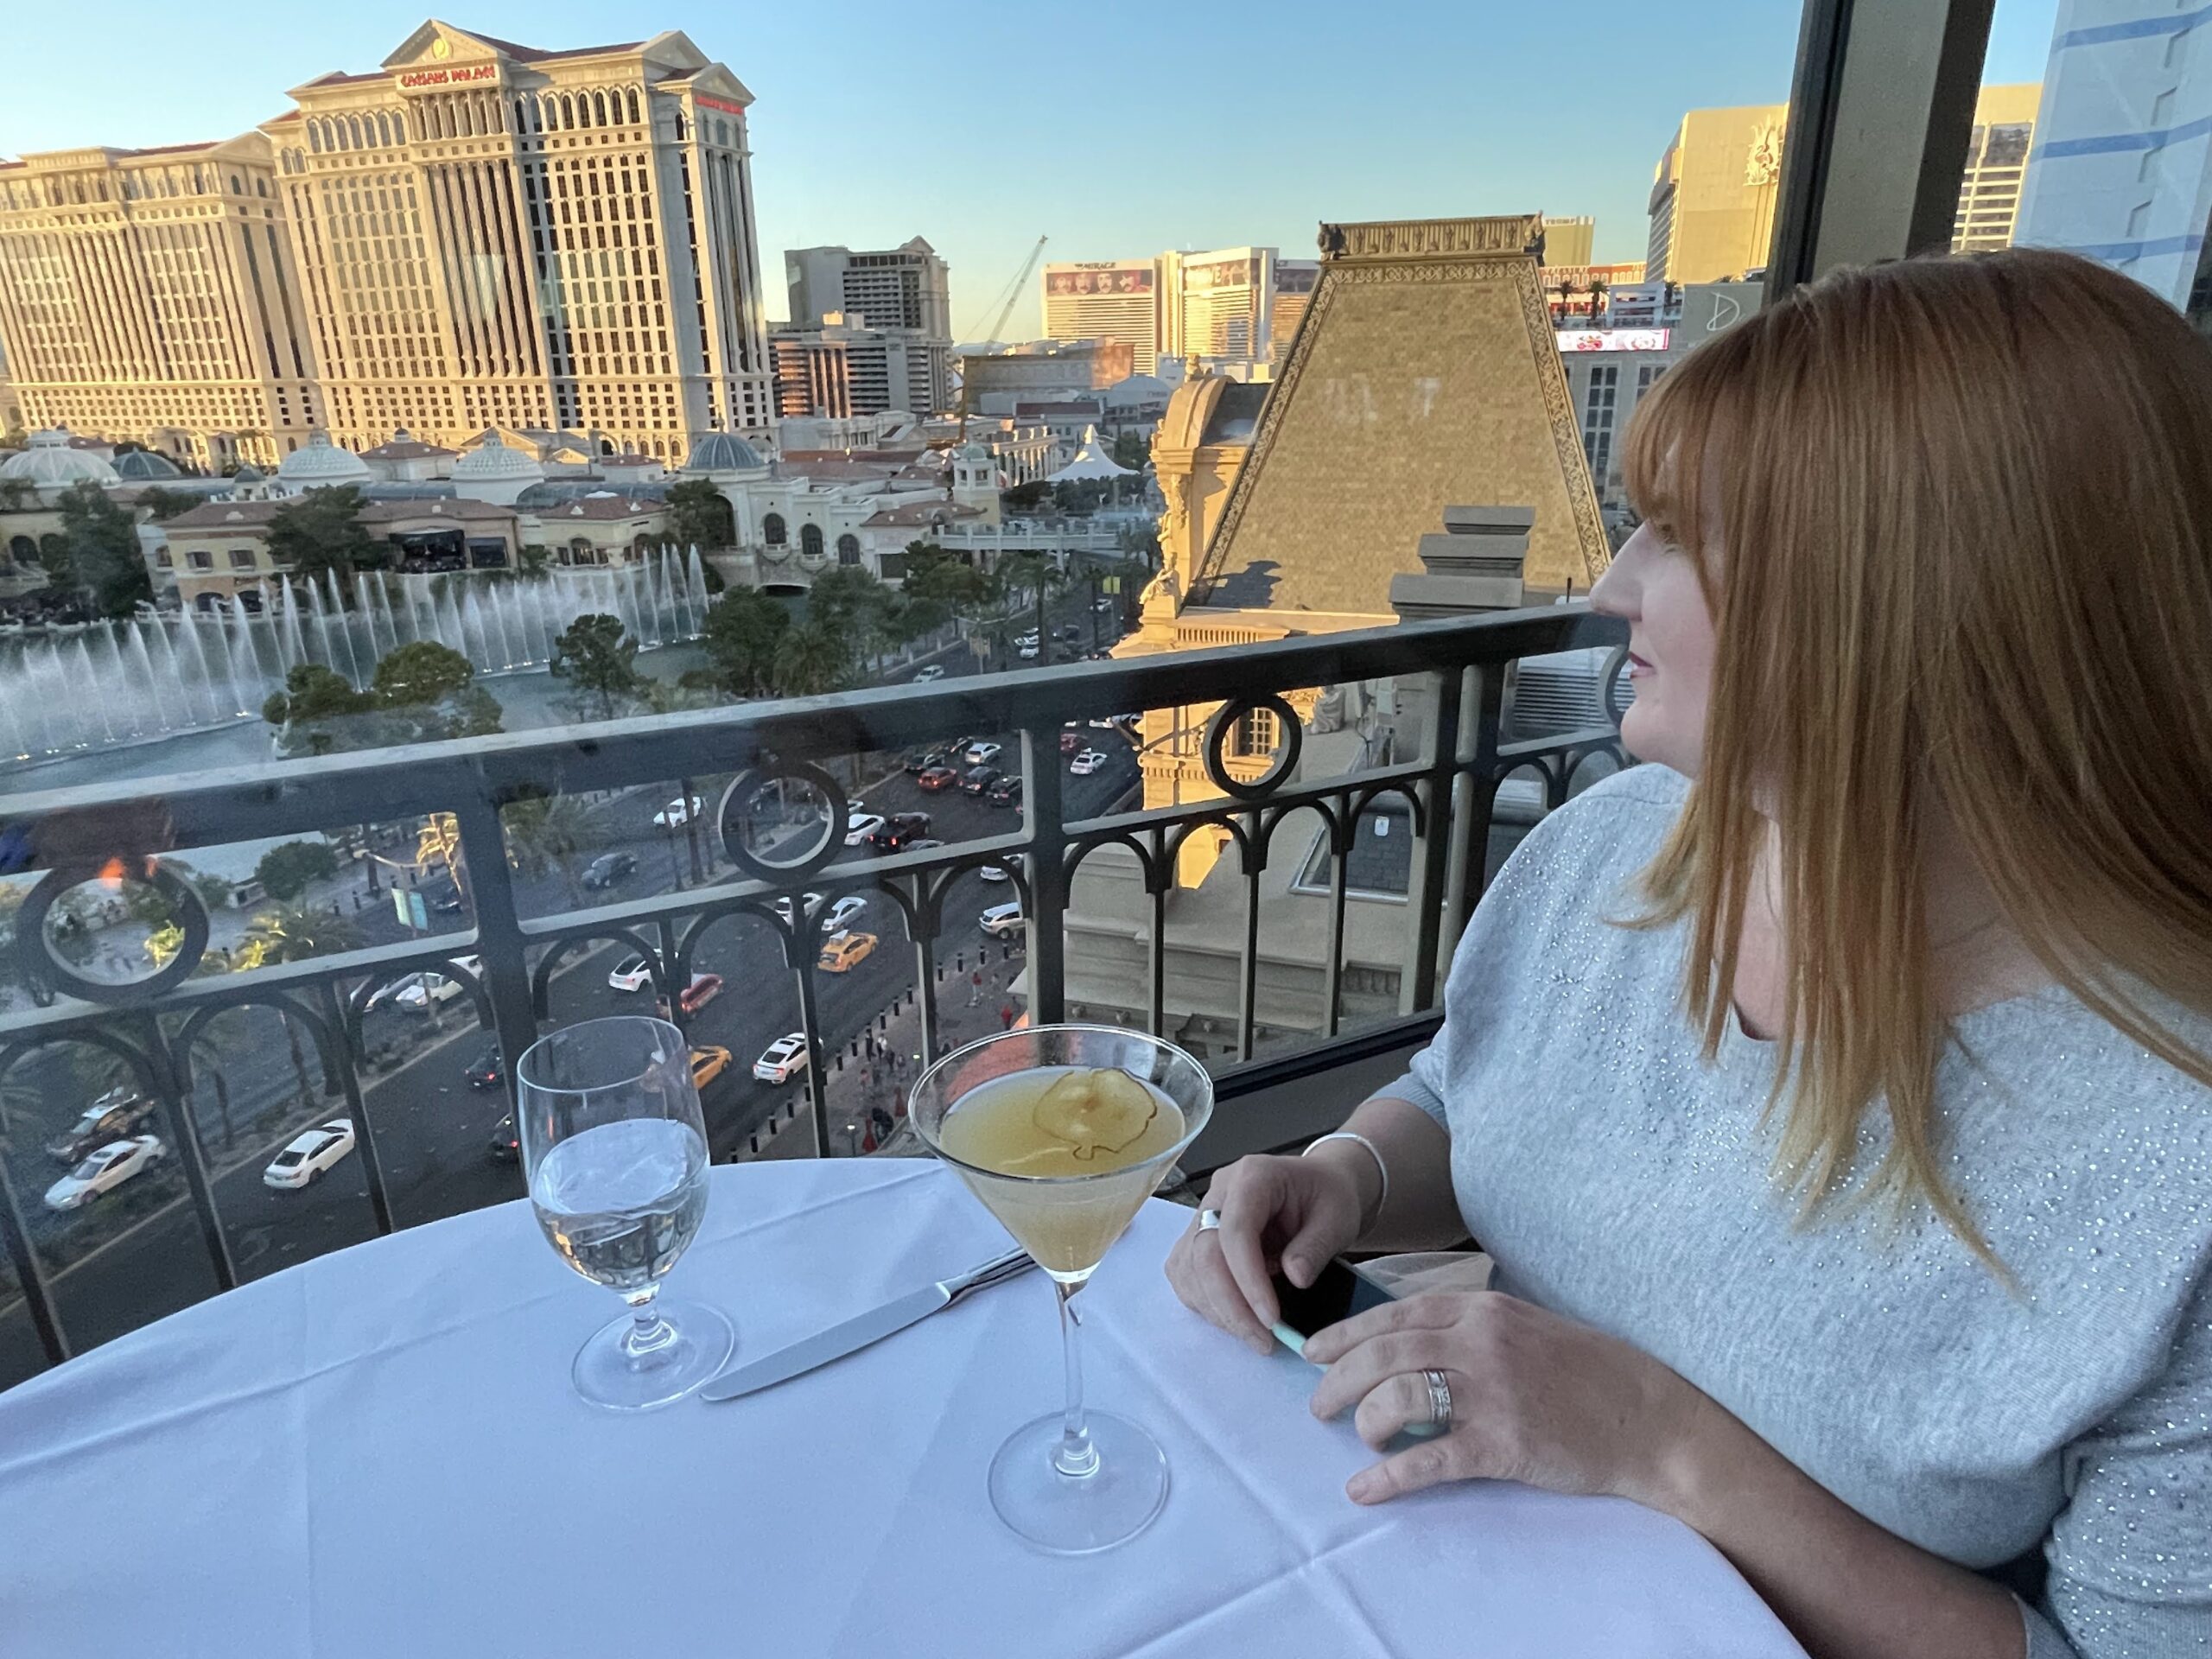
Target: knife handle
{"points": [[1007, 1267]]}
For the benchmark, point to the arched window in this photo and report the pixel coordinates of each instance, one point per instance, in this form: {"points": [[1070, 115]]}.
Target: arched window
{"points": [[23, 549], [809, 541], [598, 108], [772, 530], [567, 112], [849, 549], [631, 97], [315, 137]]}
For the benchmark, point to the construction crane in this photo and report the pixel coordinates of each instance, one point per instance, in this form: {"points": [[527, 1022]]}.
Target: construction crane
{"points": [[1014, 291]]}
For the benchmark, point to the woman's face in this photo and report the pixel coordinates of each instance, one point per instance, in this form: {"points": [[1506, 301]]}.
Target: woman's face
{"points": [[1653, 586]]}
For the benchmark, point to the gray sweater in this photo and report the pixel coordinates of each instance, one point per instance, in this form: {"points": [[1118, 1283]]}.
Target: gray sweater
{"points": [[1619, 1180]]}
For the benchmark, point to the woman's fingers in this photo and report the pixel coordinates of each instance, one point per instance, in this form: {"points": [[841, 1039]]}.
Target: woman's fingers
{"points": [[1244, 1217], [1201, 1276]]}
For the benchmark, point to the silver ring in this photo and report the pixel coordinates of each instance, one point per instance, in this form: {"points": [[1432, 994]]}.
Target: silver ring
{"points": [[1439, 1398], [1209, 1221]]}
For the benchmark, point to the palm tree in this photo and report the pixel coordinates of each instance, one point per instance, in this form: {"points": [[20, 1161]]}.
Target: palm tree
{"points": [[811, 660], [546, 830], [294, 932], [1039, 574]]}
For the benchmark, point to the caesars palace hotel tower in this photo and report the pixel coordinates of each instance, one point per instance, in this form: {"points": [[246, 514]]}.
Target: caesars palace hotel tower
{"points": [[493, 235]]}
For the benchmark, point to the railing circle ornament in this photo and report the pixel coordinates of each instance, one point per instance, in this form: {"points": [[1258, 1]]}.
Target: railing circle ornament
{"points": [[1290, 739], [736, 811], [43, 965]]}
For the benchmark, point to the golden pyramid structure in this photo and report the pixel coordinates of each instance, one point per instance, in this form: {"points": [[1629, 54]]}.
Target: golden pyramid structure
{"points": [[1424, 375]]}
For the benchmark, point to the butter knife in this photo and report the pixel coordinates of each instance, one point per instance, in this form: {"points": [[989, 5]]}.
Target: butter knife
{"points": [[810, 1353]]}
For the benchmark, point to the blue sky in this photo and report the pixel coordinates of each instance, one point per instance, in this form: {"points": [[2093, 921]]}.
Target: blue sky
{"points": [[1115, 129]]}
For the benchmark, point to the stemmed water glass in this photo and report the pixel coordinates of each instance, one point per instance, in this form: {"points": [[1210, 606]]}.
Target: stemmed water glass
{"points": [[1078, 1480], [614, 1149]]}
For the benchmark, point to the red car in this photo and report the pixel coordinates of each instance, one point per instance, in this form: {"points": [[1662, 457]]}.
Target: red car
{"points": [[703, 989], [1069, 741], [935, 778]]}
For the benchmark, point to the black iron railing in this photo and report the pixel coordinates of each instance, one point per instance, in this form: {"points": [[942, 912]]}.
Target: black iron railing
{"points": [[1453, 684]]}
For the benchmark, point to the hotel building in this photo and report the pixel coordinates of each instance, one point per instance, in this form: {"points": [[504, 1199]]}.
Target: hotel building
{"points": [[495, 235], [154, 295]]}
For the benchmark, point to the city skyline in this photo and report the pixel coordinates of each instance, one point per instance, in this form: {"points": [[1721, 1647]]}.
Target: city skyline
{"points": [[1425, 133]]}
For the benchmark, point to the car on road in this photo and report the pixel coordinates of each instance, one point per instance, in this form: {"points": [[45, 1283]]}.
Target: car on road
{"points": [[116, 1115], [703, 989], [1070, 740], [992, 872], [608, 868], [1106, 606], [483, 1071], [448, 902], [842, 952], [929, 671], [1001, 920], [898, 831], [980, 779], [506, 1146], [982, 752], [678, 813], [843, 912], [419, 993], [1005, 792], [631, 974], [707, 1062], [1067, 633], [783, 1059], [812, 901], [937, 779], [922, 843], [860, 825], [310, 1156], [1088, 762], [1028, 653], [104, 1170]]}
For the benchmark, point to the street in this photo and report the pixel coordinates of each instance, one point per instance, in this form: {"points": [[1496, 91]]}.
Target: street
{"points": [[134, 1254]]}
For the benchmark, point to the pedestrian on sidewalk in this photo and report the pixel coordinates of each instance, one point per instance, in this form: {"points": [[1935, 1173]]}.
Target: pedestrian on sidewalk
{"points": [[975, 989], [1006, 1017]]}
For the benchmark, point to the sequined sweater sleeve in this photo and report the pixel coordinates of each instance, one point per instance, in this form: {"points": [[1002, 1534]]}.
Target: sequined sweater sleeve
{"points": [[1619, 1176]]}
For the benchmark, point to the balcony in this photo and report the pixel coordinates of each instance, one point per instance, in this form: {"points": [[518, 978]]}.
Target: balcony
{"points": [[1275, 862]]}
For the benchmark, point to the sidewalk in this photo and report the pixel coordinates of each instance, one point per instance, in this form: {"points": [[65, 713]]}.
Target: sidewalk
{"points": [[871, 1074]]}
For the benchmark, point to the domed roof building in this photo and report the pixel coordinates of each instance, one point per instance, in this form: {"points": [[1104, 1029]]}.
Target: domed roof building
{"points": [[48, 463], [723, 452], [320, 464], [145, 466], [496, 471]]}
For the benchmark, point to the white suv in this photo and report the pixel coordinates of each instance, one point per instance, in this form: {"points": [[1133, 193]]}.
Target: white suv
{"points": [[1000, 921]]}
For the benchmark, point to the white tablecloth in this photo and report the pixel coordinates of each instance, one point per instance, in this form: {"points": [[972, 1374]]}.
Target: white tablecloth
{"points": [[377, 1453]]}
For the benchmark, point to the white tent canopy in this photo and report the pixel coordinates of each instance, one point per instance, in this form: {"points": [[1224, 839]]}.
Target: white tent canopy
{"points": [[1091, 461]]}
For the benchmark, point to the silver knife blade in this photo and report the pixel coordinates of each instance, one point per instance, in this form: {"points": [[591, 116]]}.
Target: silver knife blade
{"points": [[862, 1331]]}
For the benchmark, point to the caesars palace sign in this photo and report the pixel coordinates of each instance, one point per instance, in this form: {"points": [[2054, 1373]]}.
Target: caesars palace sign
{"points": [[458, 74]]}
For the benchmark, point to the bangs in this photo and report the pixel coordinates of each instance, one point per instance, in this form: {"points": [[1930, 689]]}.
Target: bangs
{"points": [[1677, 440]]}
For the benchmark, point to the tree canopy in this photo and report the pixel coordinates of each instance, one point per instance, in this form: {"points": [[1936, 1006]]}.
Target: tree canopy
{"points": [[743, 630], [99, 552], [421, 693], [699, 515], [600, 660], [285, 870], [321, 533]]}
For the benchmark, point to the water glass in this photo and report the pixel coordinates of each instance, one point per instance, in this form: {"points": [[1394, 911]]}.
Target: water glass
{"points": [[614, 1149]]}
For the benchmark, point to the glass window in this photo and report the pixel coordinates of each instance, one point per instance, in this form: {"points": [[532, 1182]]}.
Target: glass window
{"points": [[810, 540]]}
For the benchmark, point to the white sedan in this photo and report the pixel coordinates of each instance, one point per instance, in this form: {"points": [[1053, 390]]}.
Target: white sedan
{"points": [[992, 872], [1088, 762], [310, 1156], [112, 1165], [677, 813], [783, 1059], [982, 753], [928, 672], [418, 992], [843, 912], [631, 974], [861, 826]]}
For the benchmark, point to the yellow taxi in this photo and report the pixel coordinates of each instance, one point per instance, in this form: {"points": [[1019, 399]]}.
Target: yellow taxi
{"points": [[841, 951], [707, 1065]]}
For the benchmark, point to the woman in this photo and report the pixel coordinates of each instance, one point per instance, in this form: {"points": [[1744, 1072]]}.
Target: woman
{"points": [[1831, 1093]]}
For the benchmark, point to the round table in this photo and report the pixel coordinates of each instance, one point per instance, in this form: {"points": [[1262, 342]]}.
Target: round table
{"points": [[376, 1453]]}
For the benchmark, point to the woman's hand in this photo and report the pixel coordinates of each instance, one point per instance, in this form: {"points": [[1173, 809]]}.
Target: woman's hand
{"points": [[1296, 1212], [1534, 1398]]}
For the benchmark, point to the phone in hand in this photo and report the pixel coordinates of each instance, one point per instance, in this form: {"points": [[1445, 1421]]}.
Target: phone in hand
{"points": [[1338, 1292]]}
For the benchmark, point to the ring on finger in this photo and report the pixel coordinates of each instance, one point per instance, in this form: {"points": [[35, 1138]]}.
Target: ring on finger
{"points": [[1209, 1221], [1439, 1398]]}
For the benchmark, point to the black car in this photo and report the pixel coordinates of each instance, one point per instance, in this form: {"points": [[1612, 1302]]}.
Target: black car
{"points": [[1005, 792], [608, 868], [980, 780], [483, 1071], [919, 761], [506, 1146], [116, 1115], [899, 830], [448, 902]]}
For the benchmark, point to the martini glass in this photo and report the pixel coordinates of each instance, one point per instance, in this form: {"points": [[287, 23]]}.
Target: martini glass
{"points": [[1062, 1132]]}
